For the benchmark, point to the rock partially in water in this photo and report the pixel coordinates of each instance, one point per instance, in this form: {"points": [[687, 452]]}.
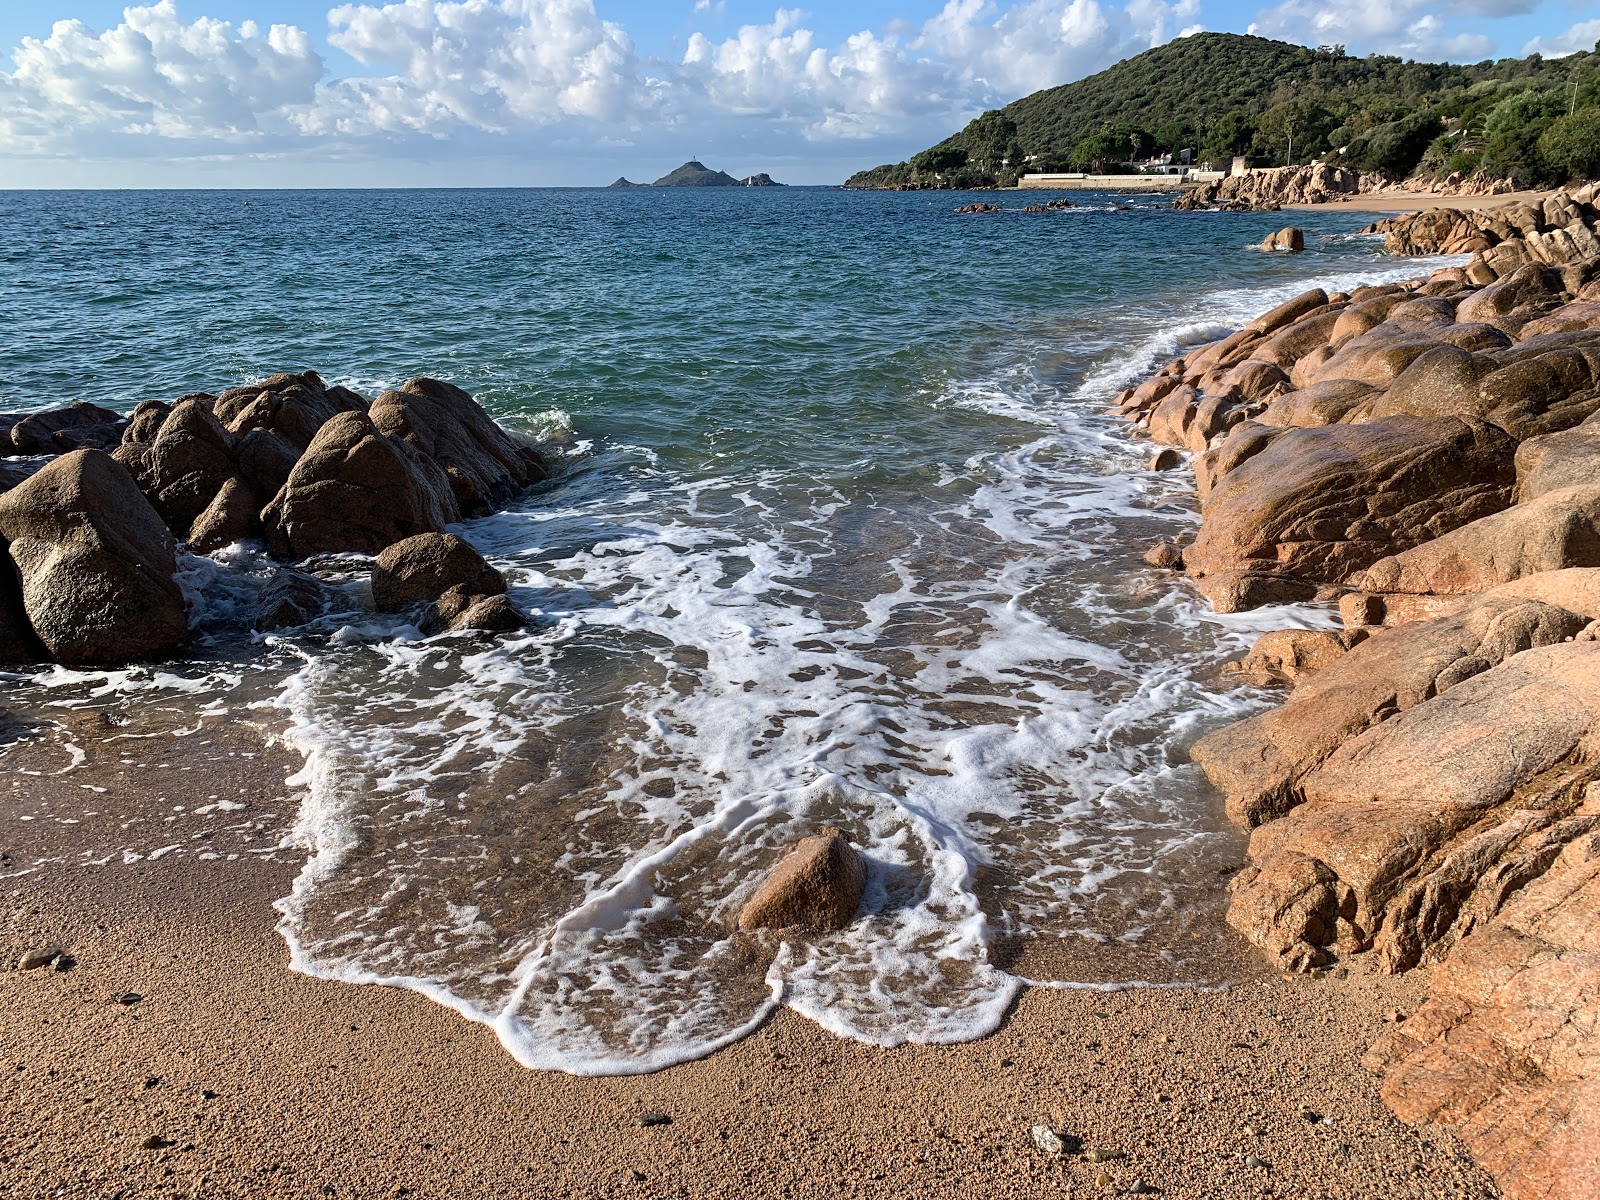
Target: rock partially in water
{"points": [[1165, 556], [290, 599], [232, 516], [816, 887], [96, 563], [426, 566], [484, 465], [357, 490], [75, 427], [1291, 239]]}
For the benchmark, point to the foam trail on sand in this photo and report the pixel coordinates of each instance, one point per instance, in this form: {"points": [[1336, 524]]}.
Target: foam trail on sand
{"points": [[978, 681]]}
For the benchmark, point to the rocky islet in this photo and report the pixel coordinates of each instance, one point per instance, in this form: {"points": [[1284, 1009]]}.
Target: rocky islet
{"points": [[1429, 792]]}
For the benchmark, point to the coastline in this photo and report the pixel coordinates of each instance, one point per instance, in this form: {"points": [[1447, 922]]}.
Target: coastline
{"points": [[1173, 1079], [1400, 201], [254, 1080]]}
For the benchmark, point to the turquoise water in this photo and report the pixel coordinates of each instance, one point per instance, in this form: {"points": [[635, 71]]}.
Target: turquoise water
{"points": [[841, 534]]}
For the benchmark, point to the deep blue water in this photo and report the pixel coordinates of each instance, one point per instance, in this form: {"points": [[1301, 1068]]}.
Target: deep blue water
{"points": [[841, 534]]}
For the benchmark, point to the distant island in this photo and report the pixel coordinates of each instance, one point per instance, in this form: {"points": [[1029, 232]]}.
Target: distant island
{"points": [[697, 174]]}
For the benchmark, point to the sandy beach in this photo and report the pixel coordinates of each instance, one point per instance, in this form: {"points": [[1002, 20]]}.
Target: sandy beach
{"points": [[179, 1056], [1398, 201]]}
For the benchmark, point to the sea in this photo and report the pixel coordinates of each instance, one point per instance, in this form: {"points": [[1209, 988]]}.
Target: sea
{"points": [[840, 532]]}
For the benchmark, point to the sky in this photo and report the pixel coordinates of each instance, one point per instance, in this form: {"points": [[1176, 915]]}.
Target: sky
{"points": [[290, 93]]}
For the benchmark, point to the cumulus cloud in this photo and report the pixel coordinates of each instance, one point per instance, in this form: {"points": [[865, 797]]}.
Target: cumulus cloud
{"points": [[519, 71], [1583, 36], [488, 66], [155, 76], [1408, 28]]}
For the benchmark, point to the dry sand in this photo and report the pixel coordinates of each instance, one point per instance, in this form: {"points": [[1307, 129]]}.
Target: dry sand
{"points": [[1398, 201], [229, 1075]]}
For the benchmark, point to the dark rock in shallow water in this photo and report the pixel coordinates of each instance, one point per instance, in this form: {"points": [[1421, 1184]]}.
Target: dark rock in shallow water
{"points": [[458, 610], [356, 490], [12, 474], [290, 599], [485, 466], [96, 562], [425, 567], [60, 430], [232, 516], [624, 182]]}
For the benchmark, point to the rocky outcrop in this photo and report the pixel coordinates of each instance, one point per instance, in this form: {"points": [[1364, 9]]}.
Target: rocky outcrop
{"points": [[1429, 792], [1504, 1050], [308, 467], [1335, 424], [423, 568], [355, 490], [95, 563], [1269, 190], [816, 886], [1321, 503], [485, 467], [1560, 230], [78, 426]]}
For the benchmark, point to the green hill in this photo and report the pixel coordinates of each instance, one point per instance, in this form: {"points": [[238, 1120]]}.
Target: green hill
{"points": [[1221, 94]]}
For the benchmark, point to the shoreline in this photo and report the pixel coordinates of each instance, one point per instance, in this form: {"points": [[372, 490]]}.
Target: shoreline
{"points": [[1401, 201], [234, 1076], [1199, 1093]]}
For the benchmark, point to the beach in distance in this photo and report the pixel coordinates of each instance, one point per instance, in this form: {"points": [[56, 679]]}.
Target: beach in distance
{"points": [[753, 514]]}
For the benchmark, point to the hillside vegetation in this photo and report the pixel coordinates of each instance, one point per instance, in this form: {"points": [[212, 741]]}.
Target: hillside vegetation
{"points": [[1533, 119]]}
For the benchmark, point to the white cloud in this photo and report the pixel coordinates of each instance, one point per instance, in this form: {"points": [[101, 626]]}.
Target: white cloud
{"points": [[1583, 36], [1420, 29], [480, 65], [520, 73], [155, 77]]}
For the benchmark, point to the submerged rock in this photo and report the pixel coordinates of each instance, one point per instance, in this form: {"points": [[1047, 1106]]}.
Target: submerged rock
{"points": [[816, 886]]}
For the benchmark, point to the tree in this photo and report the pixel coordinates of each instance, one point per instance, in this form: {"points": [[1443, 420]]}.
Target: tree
{"points": [[989, 141], [1511, 136], [1396, 148], [1171, 137], [939, 160], [1119, 143], [1571, 145], [1295, 121], [1230, 136]]}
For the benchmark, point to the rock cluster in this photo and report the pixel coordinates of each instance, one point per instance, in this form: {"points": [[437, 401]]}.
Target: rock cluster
{"points": [[307, 468], [1557, 230], [1320, 183], [1267, 191], [1429, 792]]}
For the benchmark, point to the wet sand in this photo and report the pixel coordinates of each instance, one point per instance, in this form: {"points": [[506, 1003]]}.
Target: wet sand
{"points": [[179, 1056], [1399, 201]]}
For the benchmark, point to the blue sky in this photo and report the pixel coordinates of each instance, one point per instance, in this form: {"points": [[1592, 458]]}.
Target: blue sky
{"points": [[528, 92]]}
